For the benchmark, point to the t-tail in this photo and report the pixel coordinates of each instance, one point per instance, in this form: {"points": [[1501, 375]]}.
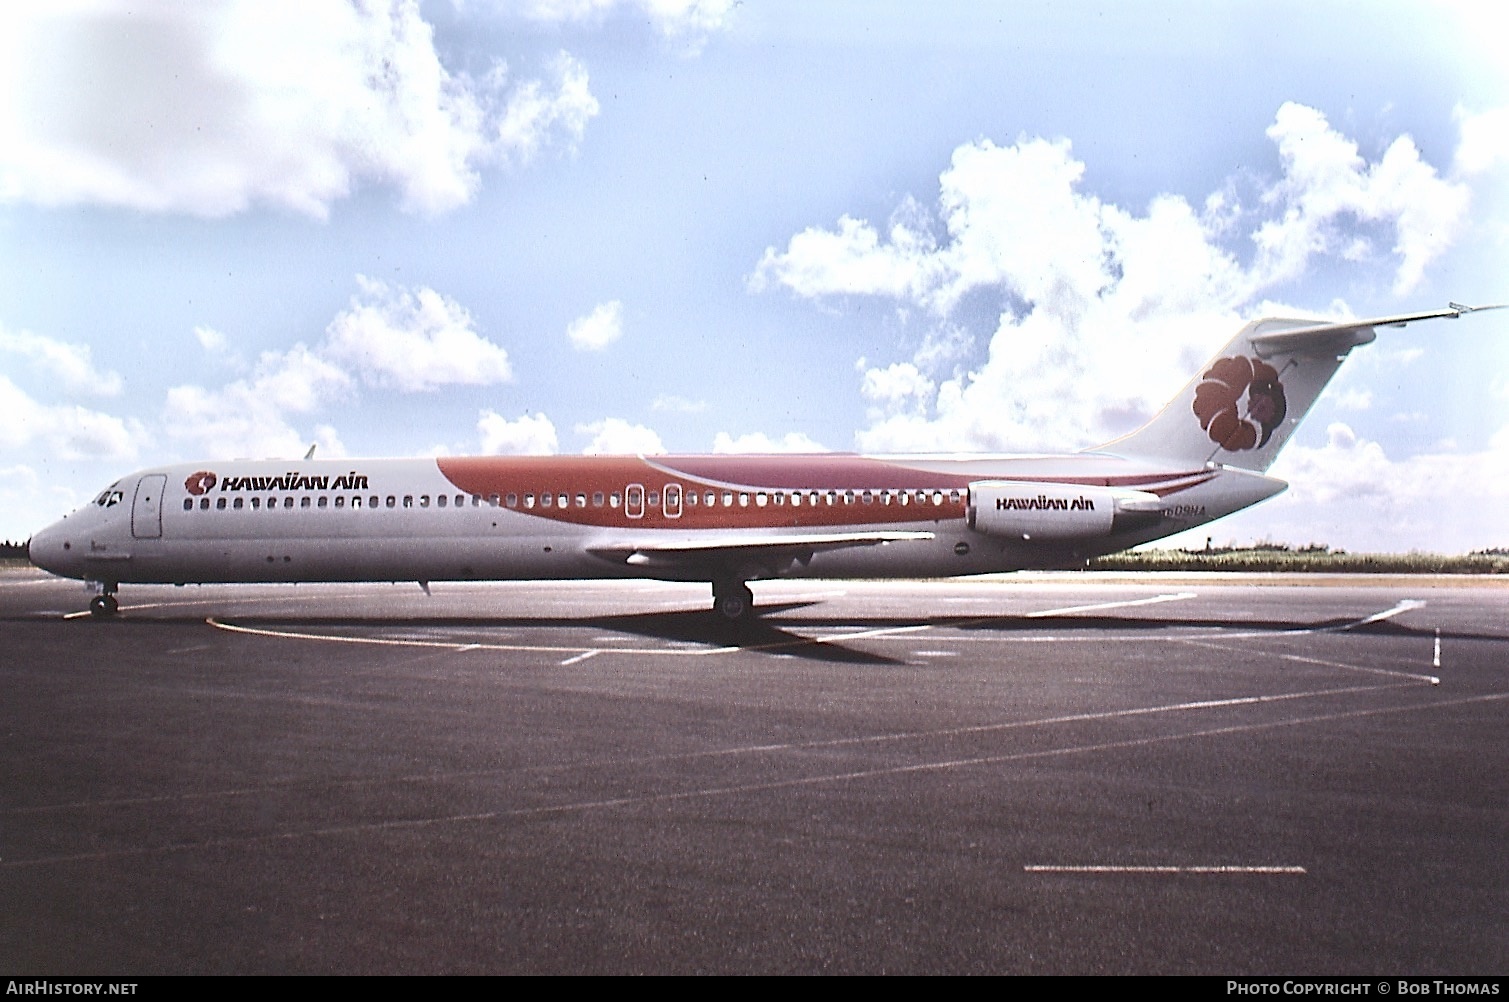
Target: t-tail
{"points": [[1246, 402]]}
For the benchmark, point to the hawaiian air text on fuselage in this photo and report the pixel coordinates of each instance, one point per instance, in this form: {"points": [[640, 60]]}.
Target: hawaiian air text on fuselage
{"points": [[295, 481]]}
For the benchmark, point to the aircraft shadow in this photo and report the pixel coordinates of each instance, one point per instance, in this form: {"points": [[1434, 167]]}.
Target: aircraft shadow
{"points": [[775, 630]]}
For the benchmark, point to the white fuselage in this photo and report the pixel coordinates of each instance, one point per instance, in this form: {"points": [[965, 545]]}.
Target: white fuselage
{"points": [[678, 518]]}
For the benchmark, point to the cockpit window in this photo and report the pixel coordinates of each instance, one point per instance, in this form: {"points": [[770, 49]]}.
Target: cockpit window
{"points": [[109, 498]]}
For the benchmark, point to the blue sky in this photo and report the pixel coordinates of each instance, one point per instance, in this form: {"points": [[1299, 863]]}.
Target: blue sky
{"points": [[236, 229]]}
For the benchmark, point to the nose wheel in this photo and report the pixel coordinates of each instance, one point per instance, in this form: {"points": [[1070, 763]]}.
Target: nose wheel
{"points": [[104, 605]]}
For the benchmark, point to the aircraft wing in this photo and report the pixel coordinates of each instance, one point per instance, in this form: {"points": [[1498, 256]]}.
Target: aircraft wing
{"points": [[770, 553]]}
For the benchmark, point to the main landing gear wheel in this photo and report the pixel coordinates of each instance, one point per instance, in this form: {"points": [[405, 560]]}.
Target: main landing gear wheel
{"points": [[103, 606], [734, 602]]}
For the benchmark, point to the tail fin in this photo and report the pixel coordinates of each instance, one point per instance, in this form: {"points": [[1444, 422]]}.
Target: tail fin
{"points": [[1248, 400]]}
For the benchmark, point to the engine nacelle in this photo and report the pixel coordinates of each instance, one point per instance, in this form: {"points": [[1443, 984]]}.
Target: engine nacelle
{"points": [[1049, 512]]}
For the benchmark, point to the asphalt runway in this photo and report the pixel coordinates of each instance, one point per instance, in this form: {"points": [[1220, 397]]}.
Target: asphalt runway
{"points": [[1038, 774]]}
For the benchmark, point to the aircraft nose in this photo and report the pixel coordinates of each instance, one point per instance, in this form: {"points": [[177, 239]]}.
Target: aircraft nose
{"points": [[53, 551]]}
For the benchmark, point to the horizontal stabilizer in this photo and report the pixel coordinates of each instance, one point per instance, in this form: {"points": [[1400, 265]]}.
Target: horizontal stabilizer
{"points": [[1250, 397]]}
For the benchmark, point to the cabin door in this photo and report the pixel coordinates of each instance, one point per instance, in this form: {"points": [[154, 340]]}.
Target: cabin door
{"points": [[146, 507]]}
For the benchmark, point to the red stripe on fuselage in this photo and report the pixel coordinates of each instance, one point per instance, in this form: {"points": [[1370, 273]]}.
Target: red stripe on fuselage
{"points": [[839, 482]]}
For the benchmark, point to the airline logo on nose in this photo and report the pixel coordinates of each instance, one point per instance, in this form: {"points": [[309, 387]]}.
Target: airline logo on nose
{"points": [[1218, 403], [198, 483]]}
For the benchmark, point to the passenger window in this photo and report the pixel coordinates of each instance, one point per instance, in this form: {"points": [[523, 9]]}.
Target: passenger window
{"points": [[528, 500], [493, 500], [324, 501], [204, 504], [392, 501], [710, 499], [238, 503], [581, 500], [304, 502], [597, 499], [613, 500], [728, 499], [257, 503], [796, 498], [372, 501], [654, 498], [761, 499], [408, 500], [188, 504], [340, 500], [220, 504], [424, 500]]}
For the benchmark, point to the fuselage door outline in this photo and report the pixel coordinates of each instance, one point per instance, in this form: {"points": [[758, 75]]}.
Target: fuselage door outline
{"points": [[146, 507]]}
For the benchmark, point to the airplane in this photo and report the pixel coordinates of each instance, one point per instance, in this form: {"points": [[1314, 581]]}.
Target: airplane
{"points": [[724, 519]]}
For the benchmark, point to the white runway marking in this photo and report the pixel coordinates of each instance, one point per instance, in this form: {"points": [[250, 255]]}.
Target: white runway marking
{"points": [[1303, 659], [584, 655], [453, 646], [1263, 870], [1405, 605], [652, 799], [1435, 658], [1067, 610]]}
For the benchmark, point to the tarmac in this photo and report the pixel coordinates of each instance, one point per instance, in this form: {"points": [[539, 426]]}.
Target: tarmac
{"points": [[1074, 773]]}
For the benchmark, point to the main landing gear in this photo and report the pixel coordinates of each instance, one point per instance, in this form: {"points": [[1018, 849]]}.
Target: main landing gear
{"points": [[104, 605], [733, 601]]}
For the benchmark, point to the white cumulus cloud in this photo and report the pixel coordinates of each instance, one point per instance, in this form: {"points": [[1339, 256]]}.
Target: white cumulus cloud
{"points": [[208, 109], [250, 417], [530, 435], [617, 437], [68, 363], [687, 21], [412, 340], [1327, 184], [67, 431], [759, 442], [1105, 310], [1350, 493], [598, 329], [537, 112]]}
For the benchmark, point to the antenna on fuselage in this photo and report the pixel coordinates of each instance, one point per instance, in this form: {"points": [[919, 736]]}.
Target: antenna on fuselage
{"points": [[310, 453]]}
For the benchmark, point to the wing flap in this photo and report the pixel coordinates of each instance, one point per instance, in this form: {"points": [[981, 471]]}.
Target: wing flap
{"points": [[691, 551]]}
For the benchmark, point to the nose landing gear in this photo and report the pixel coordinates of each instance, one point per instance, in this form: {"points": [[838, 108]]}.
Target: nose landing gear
{"points": [[104, 605]]}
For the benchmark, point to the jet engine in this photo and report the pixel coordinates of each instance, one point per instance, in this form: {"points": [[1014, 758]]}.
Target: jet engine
{"points": [[1039, 512]]}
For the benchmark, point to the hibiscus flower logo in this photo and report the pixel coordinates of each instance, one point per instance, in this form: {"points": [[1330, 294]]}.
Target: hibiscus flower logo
{"points": [[198, 483], [1219, 403]]}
